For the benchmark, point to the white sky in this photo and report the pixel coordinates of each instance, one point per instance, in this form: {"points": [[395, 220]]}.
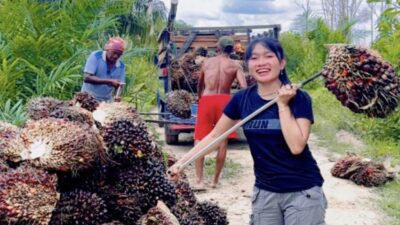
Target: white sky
{"points": [[242, 12], [238, 12]]}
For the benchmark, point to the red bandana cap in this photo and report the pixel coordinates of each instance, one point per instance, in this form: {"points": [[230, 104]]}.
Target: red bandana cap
{"points": [[115, 43]]}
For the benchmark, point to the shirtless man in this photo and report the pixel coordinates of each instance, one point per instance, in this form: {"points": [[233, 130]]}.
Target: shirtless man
{"points": [[216, 77]]}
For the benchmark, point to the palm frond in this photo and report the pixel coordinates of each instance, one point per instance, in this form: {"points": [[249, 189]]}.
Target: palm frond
{"points": [[14, 114]]}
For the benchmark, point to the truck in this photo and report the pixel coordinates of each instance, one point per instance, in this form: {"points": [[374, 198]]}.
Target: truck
{"points": [[174, 43]]}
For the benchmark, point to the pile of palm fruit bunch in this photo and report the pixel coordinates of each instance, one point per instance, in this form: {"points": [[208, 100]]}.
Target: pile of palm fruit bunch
{"points": [[185, 70], [27, 196], [72, 173], [179, 103], [361, 171], [361, 80]]}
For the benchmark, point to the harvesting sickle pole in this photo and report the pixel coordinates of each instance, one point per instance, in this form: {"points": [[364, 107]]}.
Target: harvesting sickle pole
{"points": [[360, 79]]}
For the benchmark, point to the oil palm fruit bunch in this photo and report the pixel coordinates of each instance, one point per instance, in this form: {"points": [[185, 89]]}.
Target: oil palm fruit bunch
{"points": [[123, 203], [41, 107], [150, 182], [73, 113], [191, 68], [80, 208], [61, 145], [186, 215], [179, 103], [361, 80], [123, 130], [369, 174], [86, 101], [11, 144], [176, 71], [211, 213], [125, 137], [27, 196], [341, 167]]}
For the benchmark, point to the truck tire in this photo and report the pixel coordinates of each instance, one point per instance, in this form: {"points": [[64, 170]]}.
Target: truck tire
{"points": [[171, 139]]}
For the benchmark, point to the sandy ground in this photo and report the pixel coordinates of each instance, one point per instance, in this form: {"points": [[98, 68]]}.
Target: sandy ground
{"points": [[349, 204]]}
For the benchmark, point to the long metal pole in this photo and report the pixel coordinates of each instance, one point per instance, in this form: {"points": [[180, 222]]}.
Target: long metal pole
{"points": [[206, 148]]}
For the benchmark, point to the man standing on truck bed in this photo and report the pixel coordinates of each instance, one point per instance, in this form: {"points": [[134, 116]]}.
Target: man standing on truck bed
{"points": [[214, 88]]}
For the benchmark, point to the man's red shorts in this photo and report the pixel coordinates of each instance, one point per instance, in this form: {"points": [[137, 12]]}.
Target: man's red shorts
{"points": [[209, 111]]}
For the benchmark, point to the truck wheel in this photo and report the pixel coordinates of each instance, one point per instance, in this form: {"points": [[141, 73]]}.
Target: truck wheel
{"points": [[171, 139]]}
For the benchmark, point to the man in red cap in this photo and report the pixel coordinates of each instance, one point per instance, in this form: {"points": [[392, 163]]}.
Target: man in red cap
{"points": [[104, 71]]}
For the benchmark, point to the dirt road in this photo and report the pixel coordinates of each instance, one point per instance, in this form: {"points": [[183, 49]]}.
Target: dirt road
{"points": [[349, 204]]}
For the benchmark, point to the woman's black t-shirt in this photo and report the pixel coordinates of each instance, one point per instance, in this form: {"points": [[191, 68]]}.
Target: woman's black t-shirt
{"points": [[275, 167]]}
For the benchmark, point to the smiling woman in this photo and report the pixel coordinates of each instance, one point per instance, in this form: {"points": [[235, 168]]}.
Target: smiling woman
{"points": [[288, 185]]}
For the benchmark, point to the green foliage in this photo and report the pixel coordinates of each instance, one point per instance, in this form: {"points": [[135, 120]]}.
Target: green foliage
{"points": [[386, 129], [388, 43], [9, 75], [14, 114], [389, 200], [142, 81], [303, 58], [230, 170], [57, 83]]}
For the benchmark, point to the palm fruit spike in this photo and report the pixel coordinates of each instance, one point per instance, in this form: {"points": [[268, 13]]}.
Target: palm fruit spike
{"points": [[41, 107], [123, 130], [370, 174], [342, 165], [212, 213], [361, 80], [61, 145], [73, 113], [86, 101], [27, 195], [11, 144], [179, 103], [80, 208]]}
